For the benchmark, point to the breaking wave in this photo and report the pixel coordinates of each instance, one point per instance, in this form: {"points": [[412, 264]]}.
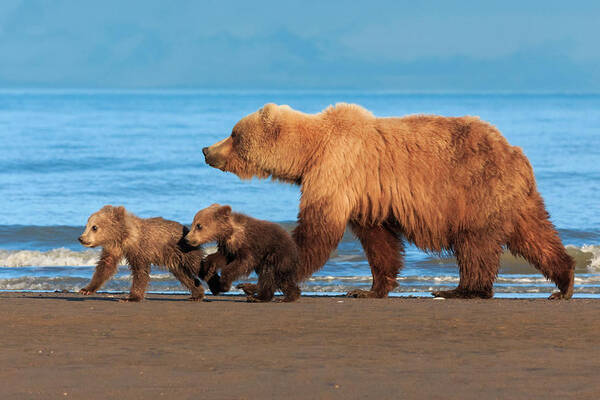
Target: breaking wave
{"points": [[587, 258], [53, 258]]}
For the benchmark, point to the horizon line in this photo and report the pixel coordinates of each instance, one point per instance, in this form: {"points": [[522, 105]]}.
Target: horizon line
{"points": [[199, 90]]}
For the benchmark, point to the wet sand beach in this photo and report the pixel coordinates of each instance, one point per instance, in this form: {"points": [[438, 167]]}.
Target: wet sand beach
{"points": [[71, 346]]}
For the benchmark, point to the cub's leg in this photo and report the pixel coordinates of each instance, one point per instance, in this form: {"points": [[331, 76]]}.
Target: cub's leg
{"points": [[250, 289], [186, 276], [141, 276], [265, 287], [239, 267], [290, 289], [106, 267], [208, 271]]}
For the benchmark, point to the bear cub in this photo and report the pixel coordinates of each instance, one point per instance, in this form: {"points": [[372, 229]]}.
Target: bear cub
{"points": [[141, 242], [246, 244]]}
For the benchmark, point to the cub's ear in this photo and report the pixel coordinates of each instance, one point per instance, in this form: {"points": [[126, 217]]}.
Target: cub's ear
{"points": [[119, 212], [224, 211]]}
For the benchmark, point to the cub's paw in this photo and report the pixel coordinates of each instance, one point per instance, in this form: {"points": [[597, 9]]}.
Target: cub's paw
{"points": [[361, 294], [285, 299], [130, 299], [249, 289], [254, 299], [85, 291], [196, 298], [214, 284]]}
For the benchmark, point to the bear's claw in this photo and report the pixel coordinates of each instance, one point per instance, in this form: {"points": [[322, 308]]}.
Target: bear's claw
{"points": [[559, 296]]}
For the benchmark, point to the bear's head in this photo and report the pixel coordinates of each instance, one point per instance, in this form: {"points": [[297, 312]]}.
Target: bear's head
{"points": [[105, 227], [263, 144], [211, 224]]}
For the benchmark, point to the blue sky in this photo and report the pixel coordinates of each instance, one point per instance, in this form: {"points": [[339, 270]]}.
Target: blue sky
{"points": [[537, 46]]}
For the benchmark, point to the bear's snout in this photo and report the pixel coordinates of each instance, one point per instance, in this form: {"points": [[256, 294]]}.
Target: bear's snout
{"points": [[80, 239], [205, 151]]}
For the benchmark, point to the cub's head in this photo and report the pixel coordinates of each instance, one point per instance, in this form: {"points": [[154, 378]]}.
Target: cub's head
{"points": [[210, 225], [104, 227], [263, 144]]}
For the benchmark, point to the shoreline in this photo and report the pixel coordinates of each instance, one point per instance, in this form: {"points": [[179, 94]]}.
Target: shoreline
{"points": [[317, 347], [308, 294]]}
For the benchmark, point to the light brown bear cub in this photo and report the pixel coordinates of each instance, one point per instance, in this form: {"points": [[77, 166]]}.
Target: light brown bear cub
{"points": [[244, 245], [142, 242]]}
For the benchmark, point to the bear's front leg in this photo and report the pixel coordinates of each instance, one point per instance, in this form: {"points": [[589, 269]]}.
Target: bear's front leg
{"points": [[321, 225], [106, 267]]}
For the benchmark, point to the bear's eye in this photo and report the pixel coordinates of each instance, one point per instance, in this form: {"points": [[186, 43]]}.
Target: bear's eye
{"points": [[233, 134], [94, 228], [198, 226]]}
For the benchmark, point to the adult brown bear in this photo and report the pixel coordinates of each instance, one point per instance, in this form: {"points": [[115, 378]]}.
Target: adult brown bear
{"points": [[444, 184]]}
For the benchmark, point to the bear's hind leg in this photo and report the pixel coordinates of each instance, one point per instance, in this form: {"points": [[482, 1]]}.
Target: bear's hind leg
{"points": [[383, 249], [478, 261], [536, 240]]}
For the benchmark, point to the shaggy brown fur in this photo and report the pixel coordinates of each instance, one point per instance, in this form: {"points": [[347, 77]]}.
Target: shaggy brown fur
{"points": [[247, 244], [141, 242], [444, 184]]}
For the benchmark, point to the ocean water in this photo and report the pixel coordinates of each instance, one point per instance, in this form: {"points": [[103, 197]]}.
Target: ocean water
{"points": [[65, 154]]}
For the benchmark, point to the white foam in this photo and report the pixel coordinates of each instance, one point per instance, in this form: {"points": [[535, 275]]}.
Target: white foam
{"points": [[590, 253], [59, 257], [594, 265], [51, 258]]}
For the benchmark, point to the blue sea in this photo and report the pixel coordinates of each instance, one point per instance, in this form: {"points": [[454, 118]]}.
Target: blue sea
{"points": [[66, 153]]}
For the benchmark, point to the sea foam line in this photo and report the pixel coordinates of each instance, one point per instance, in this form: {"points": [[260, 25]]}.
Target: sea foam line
{"points": [[586, 256], [59, 257]]}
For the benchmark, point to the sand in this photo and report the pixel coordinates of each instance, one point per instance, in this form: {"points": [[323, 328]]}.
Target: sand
{"points": [[70, 346]]}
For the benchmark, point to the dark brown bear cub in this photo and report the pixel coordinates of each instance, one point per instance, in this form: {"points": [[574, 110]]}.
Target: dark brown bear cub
{"points": [[141, 242], [244, 245]]}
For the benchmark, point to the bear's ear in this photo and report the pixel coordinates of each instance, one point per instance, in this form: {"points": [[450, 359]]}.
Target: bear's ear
{"points": [[269, 108], [224, 211], [268, 115]]}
